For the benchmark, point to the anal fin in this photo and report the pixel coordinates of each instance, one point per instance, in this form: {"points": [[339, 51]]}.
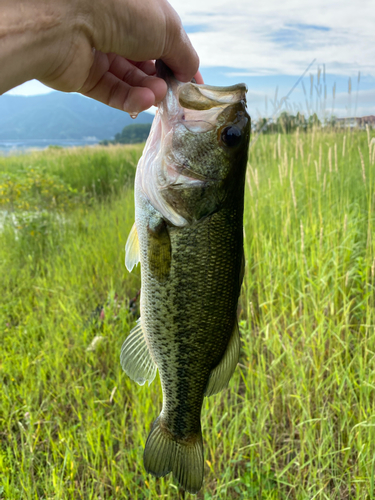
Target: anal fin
{"points": [[135, 357], [222, 373]]}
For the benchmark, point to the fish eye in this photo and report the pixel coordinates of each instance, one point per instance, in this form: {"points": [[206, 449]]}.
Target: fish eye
{"points": [[231, 136]]}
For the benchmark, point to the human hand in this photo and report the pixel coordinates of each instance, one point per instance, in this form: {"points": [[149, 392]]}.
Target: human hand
{"points": [[53, 42], [125, 84]]}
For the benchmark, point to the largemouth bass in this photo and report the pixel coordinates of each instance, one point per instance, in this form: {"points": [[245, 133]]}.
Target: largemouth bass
{"points": [[188, 236]]}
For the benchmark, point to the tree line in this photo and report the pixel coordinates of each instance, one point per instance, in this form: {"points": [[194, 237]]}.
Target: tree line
{"points": [[287, 123], [131, 134]]}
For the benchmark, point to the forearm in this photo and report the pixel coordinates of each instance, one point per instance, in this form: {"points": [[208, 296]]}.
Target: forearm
{"points": [[29, 34]]}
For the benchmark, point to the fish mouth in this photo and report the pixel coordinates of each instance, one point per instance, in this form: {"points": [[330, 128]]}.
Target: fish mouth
{"points": [[197, 108], [200, 97], [202, 105], [204, 97]]}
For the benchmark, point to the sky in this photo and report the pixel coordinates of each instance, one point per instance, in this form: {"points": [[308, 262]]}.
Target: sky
{"points": [[269, 44]]}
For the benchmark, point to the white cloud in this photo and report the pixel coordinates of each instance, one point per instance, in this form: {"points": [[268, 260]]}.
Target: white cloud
{"points": [[33, 87], [273, 37], [359, 104]]}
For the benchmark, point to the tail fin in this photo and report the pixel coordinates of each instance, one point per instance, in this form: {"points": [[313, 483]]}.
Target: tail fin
{"points": [[163, 454]]}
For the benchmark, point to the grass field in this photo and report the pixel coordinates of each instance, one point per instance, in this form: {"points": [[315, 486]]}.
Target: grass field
{"points": [[298, 418]]}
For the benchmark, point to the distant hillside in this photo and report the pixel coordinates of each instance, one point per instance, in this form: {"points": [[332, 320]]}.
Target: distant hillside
{"points": [[60, 116]]}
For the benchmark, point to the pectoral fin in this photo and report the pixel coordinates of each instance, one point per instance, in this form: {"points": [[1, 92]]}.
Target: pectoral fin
{"points": [[222, 373], [132, 249], [135, 357], [159, 249]]}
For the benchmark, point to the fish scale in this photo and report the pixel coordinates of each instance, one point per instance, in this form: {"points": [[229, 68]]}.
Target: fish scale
{"points": [[188, 304], [188, 237]]}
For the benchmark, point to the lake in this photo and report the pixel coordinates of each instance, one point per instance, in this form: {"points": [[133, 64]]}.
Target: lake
{"points": [[20, 146]]}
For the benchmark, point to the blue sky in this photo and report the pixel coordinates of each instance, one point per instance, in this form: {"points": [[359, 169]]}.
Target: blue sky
{"points": [[269, 44]]}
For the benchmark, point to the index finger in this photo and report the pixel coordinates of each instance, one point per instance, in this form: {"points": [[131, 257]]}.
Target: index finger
{"points": [[198, 77]]}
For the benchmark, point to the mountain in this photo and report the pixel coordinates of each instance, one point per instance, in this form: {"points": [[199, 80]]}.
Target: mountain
{"points": [[58, 115]]}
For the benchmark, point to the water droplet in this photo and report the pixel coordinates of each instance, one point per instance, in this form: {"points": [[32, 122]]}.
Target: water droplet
{"points": [[133, 115]]}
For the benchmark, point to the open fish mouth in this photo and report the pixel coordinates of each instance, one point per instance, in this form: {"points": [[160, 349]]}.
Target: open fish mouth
{"points": [[197, 107], [202, 97], [201, 105], [188, 108]]}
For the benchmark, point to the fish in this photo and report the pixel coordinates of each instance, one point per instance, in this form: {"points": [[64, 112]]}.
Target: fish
{"points": [[188, 237]]}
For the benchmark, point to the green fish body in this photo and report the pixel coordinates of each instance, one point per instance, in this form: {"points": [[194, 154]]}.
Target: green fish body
{"points": [[188, 236]]}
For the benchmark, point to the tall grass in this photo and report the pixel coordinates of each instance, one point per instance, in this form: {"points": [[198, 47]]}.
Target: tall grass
{"points": [[309, 313], [297, 418]]}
